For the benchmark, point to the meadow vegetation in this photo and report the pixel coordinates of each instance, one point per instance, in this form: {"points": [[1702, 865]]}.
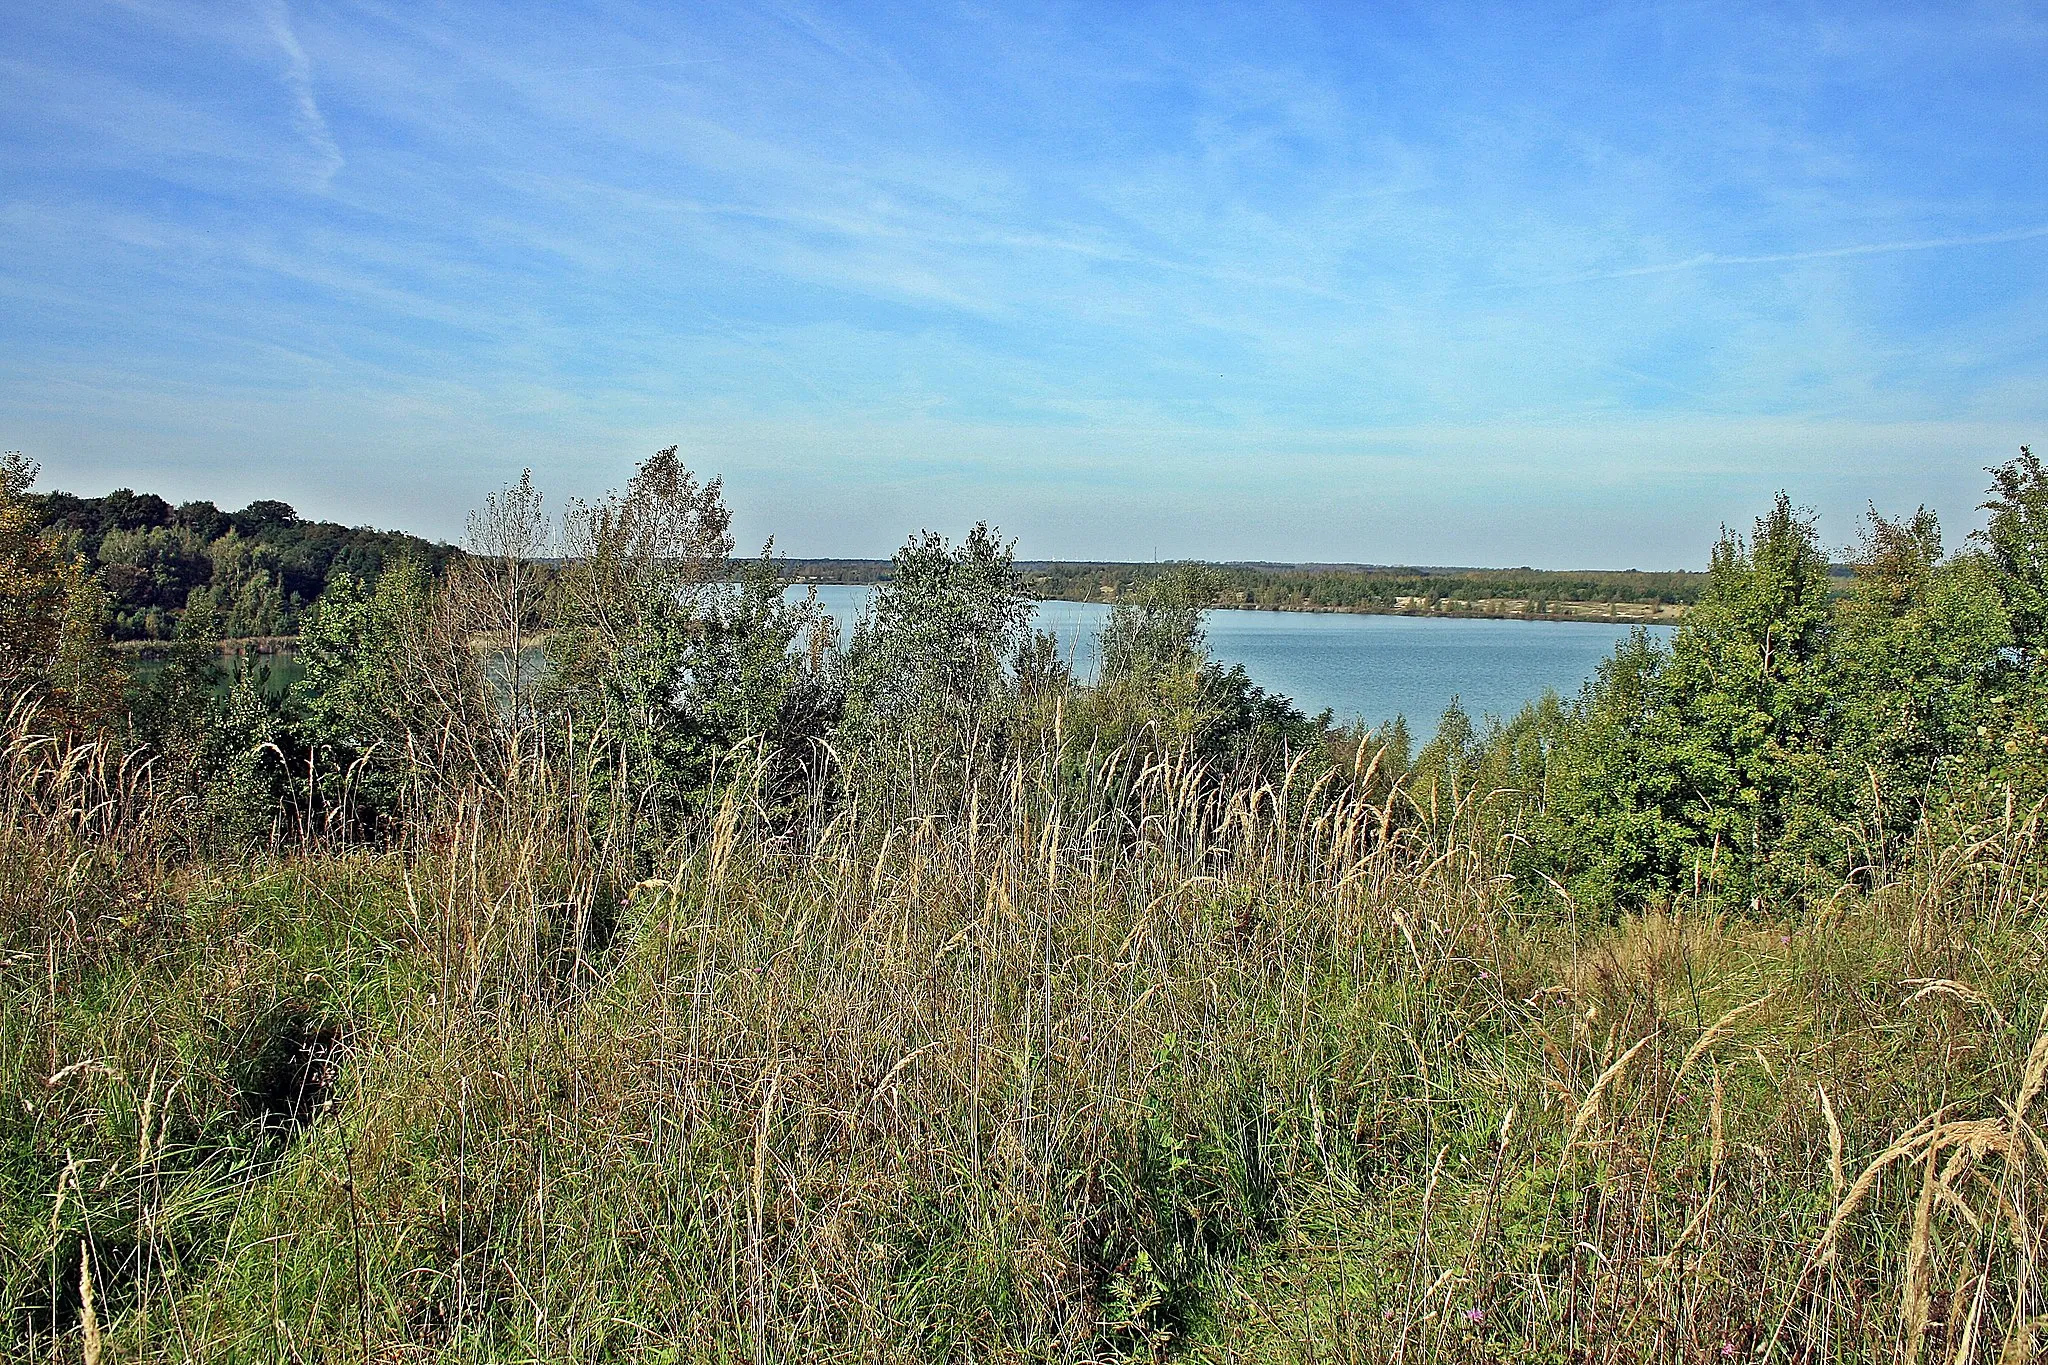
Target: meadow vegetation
{"points": [[590, 960]]}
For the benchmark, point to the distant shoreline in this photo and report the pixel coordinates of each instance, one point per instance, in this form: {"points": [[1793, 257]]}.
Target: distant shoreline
{"points": [[255, 644], [1595, 613], [1627, 596], [1484, 609], [1639, 613]]}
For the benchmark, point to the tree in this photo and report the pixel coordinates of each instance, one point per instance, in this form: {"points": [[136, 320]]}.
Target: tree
{"points": [[170, 708], [31, 582], [1608, 818], [355, 711], [765, 668], [84, 678], [1712, 765], [203, 520], [1159, 687], [1156, 629], [1751, 676], [1920, 645], [54, 652], [667, 660], [262, 515], [2016, 538], [244, 775], [469, 665], [926, 691], [1153, 655]]}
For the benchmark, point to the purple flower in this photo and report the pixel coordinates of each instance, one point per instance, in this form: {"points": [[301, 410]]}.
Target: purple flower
{"points": [[1475, 1315]]}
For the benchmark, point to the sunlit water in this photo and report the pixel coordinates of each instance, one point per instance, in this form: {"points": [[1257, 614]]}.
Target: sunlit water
{"points": [[1369, 668]]}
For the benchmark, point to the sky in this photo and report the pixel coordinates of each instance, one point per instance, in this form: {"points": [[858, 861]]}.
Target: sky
{"points": [[1566, 286]]}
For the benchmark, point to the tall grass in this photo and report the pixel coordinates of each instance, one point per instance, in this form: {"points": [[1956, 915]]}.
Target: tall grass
{"points": [[1101, 1058]]}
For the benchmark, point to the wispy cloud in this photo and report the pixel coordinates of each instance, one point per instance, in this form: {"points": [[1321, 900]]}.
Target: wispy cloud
{"points": [[298, 79], [1706, 259]]}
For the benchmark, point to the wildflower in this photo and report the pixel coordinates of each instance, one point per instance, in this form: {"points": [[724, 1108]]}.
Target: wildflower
{"points": [[1727, 1349], [1475, 1315]]}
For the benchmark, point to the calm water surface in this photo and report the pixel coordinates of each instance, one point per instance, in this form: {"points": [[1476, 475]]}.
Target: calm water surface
{"points": [[1369, 668]]}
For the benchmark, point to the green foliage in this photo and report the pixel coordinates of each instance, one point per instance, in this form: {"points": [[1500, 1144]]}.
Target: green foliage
{"points": [[1153, 656], [244, 773], [54, 653], [1313, 587], [1155, 631], [1610, 823], [1244, 730], [1160, 689], [31, 581], [1792, 736], [83, 680], [1751, 681], [766, 668], [926, 688], [169, 709], [354, 715], [1443, 769], [1920, 656], [2016, 537], [1109, 1051], [259, 569], [665, 664], [1711, 767]]}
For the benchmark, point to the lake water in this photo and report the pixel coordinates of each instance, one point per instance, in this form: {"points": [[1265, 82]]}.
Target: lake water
{"points": [[1369, 668]]}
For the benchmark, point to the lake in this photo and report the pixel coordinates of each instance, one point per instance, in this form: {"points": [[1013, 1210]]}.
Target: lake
{"points": [[1369, 668]]}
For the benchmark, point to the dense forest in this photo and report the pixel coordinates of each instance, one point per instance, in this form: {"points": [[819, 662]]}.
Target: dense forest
{"points": [[589, 958], [255, 571]]}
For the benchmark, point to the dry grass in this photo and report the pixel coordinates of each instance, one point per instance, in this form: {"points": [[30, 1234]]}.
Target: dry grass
{"points": [[1101, 1061]]}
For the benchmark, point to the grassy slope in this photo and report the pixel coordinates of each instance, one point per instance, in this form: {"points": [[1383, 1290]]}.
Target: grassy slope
{"points": [[1017, 1087]]}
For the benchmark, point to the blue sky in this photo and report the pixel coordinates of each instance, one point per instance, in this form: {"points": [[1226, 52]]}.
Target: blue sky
{"points": [[1566, 286]]}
